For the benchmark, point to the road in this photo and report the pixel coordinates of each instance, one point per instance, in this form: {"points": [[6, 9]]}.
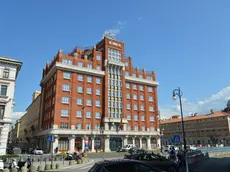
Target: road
{"points": [[86, 167]]}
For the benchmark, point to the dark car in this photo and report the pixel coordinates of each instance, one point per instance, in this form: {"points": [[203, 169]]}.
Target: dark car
{"points": [[155, 160], [123, 165]]}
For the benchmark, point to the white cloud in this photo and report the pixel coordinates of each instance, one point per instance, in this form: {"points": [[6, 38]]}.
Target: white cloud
{"points": [[216, 101], [16, 116], [118, 27], [139, 18]]}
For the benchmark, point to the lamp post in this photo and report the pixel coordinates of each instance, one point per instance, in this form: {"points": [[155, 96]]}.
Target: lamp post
{"points": [[179, 93]]}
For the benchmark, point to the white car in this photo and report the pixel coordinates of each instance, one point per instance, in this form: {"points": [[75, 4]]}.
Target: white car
{"points": [[37, 152], [1, 165], [127, 147], [193, 147]]}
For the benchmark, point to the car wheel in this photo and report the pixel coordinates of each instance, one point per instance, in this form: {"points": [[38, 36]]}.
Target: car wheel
{"points": [[172, 169]]}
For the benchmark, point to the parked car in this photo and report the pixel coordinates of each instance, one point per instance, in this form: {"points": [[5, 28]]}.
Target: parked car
{"points": [[155, 160], [121, 165], [37, 152], [127, 147], [1, 165], [14, 150], [192, 147]]}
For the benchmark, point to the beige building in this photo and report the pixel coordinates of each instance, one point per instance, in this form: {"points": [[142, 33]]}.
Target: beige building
{"points": [[14, 134], [29, 122], [212, 129]]}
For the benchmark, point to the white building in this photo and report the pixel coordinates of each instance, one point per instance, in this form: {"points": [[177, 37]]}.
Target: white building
{"points": [[9, 69]]}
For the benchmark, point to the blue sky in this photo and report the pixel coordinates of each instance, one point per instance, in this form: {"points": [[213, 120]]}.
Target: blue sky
{"points": [[185, 42]]}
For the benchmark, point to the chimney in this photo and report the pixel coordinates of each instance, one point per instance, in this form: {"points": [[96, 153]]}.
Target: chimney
{"points": [[212, 111], [35, 95]]}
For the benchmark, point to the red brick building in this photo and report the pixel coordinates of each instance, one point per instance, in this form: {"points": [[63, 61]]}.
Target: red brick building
{"points": [[93, 98]]}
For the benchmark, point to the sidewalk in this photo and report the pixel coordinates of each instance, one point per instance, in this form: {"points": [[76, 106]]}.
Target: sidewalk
{"points": [[63, 165]]}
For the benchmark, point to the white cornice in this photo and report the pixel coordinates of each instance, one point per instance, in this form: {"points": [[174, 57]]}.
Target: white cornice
{"points": [[141, 81], [72, 68]]}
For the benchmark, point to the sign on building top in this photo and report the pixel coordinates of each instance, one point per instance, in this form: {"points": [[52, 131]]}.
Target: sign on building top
{"points": [[109, 35]]}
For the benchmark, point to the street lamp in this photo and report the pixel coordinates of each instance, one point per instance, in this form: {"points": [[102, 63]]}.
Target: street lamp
{"points": [[179, 93]]}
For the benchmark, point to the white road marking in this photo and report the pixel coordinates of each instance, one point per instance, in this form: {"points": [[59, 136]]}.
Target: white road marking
{"points": [[86, 167]]}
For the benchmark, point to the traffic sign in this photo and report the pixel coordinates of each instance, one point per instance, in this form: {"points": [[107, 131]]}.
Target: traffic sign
{"points": [[86, 147], [161, 137], [176, 139], [49, 138]]}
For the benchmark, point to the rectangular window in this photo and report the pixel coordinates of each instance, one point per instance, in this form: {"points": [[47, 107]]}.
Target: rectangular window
{"points": [[126, 63], [126, 73], [134, 75], [64, 125], [79, 89], [135, 118], [80, 78], [89, 90], [98, 80], [3, 90], [78, 126], [149, 78], [135, 97], [65, 100], [128, 117], [65, 87], [143, 128], [150, 89], [97, 115], [151, 108], [68, 62], [142, 108], [127, 106], [135, 107], [98, 57], [152, 118], [80, 64], [135, 128], [98, 104], [150, 98], [152, 128], [89, 102], [88, 114], [141, 97], [142, 118], [64, 113], [90, 66], [66, 75], [141, 76], [98, 92], [127, 85], [89, 79], [134, 86], [79, 114], [97, 126], [98, 67], [6, 73], [88, 126], [127, 95], [79, 101], [141, 88]]}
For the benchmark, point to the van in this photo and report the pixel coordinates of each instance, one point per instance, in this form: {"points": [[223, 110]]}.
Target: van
{"points": [[127, 147]]}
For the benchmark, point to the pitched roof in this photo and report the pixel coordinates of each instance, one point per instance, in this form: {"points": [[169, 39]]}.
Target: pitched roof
{"points": [[198, 117]]}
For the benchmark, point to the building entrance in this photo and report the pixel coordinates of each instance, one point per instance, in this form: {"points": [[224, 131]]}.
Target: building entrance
{"points": [[115, 142]]}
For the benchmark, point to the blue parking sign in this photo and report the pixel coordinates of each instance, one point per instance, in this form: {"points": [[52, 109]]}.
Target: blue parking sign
{"points": [[176, 139], [49, 138]]}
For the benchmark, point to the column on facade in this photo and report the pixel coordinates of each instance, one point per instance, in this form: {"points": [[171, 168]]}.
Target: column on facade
{"points": [[125, 140], [83, 143], [158, 142], [54, 143], [133, 138], [106, 145], [92, 144], [71, 144], [148, 143], [140, 138]]}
